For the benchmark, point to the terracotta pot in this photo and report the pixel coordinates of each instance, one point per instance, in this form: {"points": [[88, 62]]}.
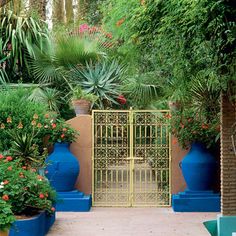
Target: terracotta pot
{"points": [[3, 233], [81, 107]]}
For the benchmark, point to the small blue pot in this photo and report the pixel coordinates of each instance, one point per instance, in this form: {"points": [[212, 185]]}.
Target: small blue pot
{"points": [[38, 225], [199, 168], [63, 168]]}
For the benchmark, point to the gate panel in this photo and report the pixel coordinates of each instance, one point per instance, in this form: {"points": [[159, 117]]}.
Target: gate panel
{"points": [[151, 159], [111, 185], [131, 158]]}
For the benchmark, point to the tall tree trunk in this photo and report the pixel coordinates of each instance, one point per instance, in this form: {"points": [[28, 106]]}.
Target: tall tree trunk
{"points": [[40, 7], [59, 11], [69, 11]]}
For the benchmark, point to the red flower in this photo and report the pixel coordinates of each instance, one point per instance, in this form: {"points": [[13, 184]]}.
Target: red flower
{"points": [[54, 126], [1, 156], [120, 22], [63, 136], [9, 168], [9, 158], [53, 209], [33, 170], [122, 100], [205, 126], [64, 129], [5, 197], [21, 175], [168, 116], [5, 182], [41, 196], [40, 177], [24, 167]]}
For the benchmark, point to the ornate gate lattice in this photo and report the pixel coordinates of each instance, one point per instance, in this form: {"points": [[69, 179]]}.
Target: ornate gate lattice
{"points": [[131, 158]]}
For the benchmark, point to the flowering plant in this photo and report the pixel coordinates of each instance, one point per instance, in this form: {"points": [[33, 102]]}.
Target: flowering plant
{"points": [[61, 132], [6, 216], [188, 127], [24, 189]]}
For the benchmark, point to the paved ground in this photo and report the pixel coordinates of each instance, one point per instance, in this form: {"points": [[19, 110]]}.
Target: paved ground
{"points": [[131, 222]]}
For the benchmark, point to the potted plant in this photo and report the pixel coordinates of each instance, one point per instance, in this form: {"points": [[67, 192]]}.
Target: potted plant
{"points": [[62, 167], [82, 102], [200, 134], [6, 217], [29, 194]]}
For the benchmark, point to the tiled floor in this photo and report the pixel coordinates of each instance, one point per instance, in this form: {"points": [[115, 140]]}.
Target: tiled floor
{"points": [[131, 222]]}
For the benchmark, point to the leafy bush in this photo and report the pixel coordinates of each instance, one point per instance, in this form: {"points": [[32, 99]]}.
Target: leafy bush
{"points": [[189, 127], [61, 132], [25, 190], [18, 113], [6, 216]]}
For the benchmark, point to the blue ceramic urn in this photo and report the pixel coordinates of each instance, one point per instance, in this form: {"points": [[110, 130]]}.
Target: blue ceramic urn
{"points": [[199, 168], [62, 168]]}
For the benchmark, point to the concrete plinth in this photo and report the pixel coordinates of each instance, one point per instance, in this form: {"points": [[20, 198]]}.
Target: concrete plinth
{"points": [[196, 201], [73, 201]]}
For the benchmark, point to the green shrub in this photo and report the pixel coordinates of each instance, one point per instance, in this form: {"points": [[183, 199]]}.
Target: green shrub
{"points": [[6, 216], [18, 113], [25, 190]]}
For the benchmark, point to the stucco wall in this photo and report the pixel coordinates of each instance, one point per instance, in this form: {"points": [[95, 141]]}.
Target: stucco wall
{"points": [[82, 149], [177, 179]]}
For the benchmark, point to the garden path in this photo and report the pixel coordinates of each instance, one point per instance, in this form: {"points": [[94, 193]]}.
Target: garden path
{"points": [[131, 222]]}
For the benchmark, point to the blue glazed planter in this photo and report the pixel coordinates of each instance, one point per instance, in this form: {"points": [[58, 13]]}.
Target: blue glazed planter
{"points": [[199, 168], [35, 226], [63, 168]]}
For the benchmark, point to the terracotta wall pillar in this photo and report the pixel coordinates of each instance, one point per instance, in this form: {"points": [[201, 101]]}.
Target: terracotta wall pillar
{"points": [[82, 149], [177, 180]]}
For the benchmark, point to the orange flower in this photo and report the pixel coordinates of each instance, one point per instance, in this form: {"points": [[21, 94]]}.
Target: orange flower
{"points": [[168, 116], [39, 125], [9, 120], [120, 22], [64, 129], [21, 175], [20, 126], [33, 122], [35, 116], [9, 168], [174, 141], [5, 197], [2, 126]]}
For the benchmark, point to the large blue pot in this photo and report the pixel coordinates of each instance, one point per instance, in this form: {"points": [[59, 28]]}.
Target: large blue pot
{"points": [[199, 168], [62, 168]]}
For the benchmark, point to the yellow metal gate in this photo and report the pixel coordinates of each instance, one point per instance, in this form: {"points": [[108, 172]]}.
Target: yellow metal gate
{"points": [[131, 158]]}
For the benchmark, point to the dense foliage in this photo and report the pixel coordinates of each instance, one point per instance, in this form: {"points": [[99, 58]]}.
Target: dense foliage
{"points": [[25, 190]]}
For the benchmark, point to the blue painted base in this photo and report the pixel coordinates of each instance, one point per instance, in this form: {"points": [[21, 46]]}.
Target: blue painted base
{"points": [[74, 201], [35, 226], [223, 226], [196, 201]]}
